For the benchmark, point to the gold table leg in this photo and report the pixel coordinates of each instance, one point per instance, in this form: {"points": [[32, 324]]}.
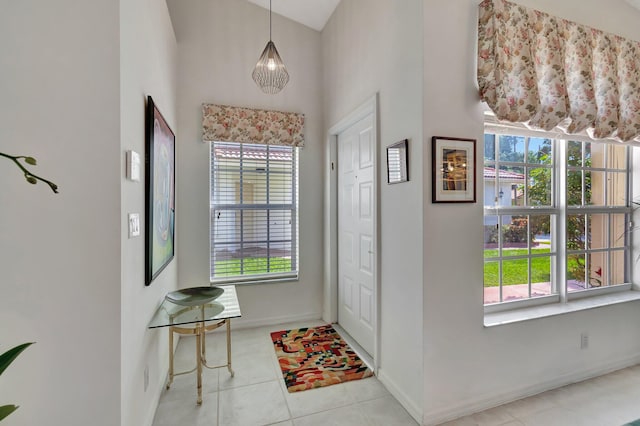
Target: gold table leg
{"points": [[199, 350], [170, 358], [228, 321], [200, 331], [204, 333]]}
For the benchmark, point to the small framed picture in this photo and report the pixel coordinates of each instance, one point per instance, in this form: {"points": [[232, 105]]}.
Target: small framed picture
{"points": [[454, 168], [398, 162]]}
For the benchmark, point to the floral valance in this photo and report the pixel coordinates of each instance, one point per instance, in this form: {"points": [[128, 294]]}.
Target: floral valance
{"points": [[550, 73], [248, 125]]}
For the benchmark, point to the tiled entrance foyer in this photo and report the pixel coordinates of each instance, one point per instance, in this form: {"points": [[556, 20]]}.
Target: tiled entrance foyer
{"points": [[257, 396]]}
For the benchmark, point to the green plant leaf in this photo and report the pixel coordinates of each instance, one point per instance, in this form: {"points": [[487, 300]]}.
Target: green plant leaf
{"points": [[8, 357], [5, 410]]}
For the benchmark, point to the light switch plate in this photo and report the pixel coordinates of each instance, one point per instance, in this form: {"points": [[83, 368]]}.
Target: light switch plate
{"points": [[133, 166], [134, 225]]}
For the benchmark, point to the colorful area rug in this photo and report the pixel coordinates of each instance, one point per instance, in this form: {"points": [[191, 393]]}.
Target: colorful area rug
{"points": [[314, 357]]}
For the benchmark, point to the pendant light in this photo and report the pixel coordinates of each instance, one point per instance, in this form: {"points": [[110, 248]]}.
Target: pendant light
{"points": [[270, 74]]}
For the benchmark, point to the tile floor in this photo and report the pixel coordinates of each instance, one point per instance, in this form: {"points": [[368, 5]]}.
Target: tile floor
{"points": [[257, 395], [609, 400]]}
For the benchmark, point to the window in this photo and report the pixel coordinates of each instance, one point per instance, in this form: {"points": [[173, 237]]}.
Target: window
{"points": [[555, 218], [597, 216], [254, 213]]}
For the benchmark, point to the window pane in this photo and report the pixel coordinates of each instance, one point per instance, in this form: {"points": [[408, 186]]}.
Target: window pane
{"points": [[594, 188], [540, 232], [224, 230], [587, 156], [279, 229], [514, 232], [618, 258], [617, 189], [539, 151], [489, 147], [512, 148], [491, 282], [598, 269], [539, 187], [597, 230], [540, 276], [574, 154], [616, 156], [252, 225], [490, 236], [618, 231], [515, 276], [511, 182], [574, 188], [576, 272], [597, 157], [576, 231], [491, 196]]}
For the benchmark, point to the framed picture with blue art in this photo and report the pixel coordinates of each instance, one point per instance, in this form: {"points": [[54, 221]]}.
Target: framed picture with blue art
{"points": [[160, 192]]}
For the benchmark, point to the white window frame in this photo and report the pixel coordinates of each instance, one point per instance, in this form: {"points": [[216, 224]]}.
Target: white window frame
{"points": [[293, 207], [559, 211]]}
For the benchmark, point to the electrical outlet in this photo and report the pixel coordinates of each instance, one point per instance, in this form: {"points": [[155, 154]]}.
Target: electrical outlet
{"points": [[584, 340], [146, 377]]}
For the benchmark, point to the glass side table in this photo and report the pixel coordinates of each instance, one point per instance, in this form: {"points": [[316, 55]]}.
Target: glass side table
{"points": [[194, 311]]}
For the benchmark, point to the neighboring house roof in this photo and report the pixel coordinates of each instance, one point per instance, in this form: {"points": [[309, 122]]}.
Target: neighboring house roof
{"points": [[505, 175], [253, 154]]}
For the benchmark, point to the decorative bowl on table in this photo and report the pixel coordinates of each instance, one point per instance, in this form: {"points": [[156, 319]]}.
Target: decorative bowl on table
{"points": [[194, 296]]}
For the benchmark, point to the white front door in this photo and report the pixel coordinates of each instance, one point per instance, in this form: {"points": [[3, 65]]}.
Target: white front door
{"points": [[356, 222]]}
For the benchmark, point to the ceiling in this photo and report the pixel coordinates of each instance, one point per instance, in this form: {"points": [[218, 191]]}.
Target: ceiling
{"points": [[312, 13], [634, 3]]}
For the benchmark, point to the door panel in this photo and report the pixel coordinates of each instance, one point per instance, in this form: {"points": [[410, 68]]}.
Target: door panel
{"points": [[356, 244]]}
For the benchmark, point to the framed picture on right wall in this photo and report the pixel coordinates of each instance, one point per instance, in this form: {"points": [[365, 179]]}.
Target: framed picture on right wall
{"points": [[453, 168]]}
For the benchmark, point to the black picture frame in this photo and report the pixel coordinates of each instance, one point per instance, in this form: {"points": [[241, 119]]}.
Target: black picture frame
{"points": [[160, 193], [398, 162], [453, 170]]}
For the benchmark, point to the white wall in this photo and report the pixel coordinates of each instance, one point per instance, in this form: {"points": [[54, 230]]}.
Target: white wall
{"points": [[148, 54], [219, 42], [469, 367], [60, 254], [376, 46]]}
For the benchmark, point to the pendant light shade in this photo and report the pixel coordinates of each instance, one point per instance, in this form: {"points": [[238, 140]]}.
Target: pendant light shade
{"points": [[270, 73]]}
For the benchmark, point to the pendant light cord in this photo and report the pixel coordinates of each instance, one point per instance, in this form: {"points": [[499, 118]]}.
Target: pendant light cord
{"points": [[269, 20]]}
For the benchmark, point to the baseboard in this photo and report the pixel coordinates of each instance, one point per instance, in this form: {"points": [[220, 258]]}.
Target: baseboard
{"points": [[153, 407], [240, 323], [409, 405], [471, 406]]}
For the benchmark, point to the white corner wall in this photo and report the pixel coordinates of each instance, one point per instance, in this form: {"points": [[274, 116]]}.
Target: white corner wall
{"points": [[148, 55], [60, 253], [468, 367], [219, 42], [371, 47]]}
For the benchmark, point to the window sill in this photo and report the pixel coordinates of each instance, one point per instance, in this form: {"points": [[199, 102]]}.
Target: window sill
{"points": [[524, 314], [256, 280]]}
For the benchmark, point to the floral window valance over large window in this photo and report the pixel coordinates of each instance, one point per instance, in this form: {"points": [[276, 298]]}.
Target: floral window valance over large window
{"points": [[247, 125], [548, 73]]}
